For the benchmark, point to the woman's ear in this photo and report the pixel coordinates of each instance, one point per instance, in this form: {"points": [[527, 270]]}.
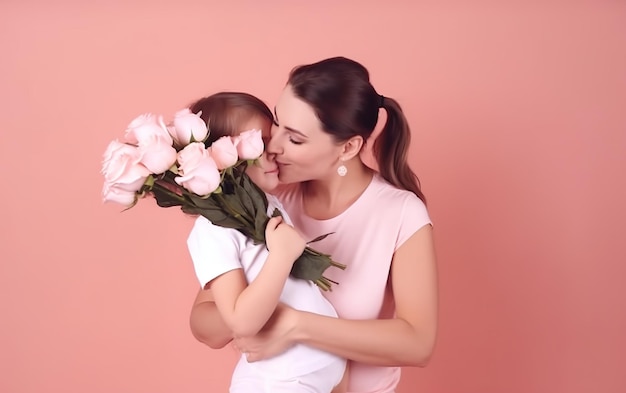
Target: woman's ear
{"points": [[352, 147]]}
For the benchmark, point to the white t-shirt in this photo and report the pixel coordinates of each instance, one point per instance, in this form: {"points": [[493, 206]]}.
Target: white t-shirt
{"points": [[216, 250]]}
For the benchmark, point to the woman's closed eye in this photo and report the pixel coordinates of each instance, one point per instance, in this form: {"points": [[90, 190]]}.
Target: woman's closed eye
{"points": [[295, 141]]}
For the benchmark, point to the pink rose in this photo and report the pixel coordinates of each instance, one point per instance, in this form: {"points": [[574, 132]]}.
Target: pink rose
{"points": [[188, 127], [145, 127], [250, 144], [157, 153], [199, 171], [123, 174], [224, 152], [116, 195], [122, 169]]}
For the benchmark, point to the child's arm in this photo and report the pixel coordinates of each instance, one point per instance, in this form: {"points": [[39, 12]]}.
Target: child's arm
{"points": [[245, 307]]}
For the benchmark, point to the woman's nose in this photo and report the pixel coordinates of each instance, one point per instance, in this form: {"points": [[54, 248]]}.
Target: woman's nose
{"points": [[273, 147]]}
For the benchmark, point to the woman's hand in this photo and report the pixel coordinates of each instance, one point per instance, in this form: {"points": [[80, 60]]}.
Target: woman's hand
{"points": [[275, 337]]}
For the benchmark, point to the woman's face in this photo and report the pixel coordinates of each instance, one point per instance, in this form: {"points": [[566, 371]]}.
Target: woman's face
{"points": [[264, 173], [303, 150]]}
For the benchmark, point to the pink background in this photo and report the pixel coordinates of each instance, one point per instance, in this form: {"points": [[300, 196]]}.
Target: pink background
{"points": [[518, 114]]}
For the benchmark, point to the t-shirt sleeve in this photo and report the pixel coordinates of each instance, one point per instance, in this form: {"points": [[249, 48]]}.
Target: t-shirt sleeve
{"points": [[214, 250], [414, 216]]}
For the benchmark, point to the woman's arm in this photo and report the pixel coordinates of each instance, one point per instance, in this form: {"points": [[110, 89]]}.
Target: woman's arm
{"points": [[407, 340], [206, 323]]}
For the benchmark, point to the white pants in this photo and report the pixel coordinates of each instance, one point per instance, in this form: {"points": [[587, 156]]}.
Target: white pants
{"points": [[247, 380]]}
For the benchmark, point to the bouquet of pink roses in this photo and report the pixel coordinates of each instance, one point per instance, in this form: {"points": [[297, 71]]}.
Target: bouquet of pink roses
{"points": [[172, 164]]}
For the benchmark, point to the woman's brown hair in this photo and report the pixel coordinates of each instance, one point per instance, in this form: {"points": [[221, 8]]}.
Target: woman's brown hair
{"points": [[347, 105]]}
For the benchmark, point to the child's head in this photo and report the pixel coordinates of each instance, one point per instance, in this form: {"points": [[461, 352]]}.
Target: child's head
{"points": [[231, 113]]}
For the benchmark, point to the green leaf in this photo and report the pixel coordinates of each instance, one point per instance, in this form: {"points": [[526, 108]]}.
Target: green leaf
{"points": [[226, 222], [311, 265], [261, 218], [164, 198], [322, 237], [204, 203], [212, 210], [255, 201], [246, 200], [258, 196], [232, 203]]}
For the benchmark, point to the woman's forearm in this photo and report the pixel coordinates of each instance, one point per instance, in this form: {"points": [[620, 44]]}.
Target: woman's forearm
{"points": [[206, 324], [406, 340], [381, 342]]}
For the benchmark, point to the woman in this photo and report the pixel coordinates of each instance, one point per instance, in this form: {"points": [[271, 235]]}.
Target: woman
{"points": [[387, 297]]}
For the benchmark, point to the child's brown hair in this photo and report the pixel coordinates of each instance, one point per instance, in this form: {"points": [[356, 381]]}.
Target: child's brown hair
{"points": [[225, 112]]}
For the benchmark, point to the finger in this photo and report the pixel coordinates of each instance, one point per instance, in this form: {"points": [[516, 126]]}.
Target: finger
{"points": [[274, 222]]}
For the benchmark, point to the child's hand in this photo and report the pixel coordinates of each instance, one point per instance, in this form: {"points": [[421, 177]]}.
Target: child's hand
{"points": [[283, 240]]}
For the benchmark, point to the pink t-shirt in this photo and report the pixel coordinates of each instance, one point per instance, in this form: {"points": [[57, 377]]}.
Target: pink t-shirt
{"points": [[365, 237]]}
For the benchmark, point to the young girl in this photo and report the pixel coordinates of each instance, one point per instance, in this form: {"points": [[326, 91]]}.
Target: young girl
{"points": [[248, 280]]}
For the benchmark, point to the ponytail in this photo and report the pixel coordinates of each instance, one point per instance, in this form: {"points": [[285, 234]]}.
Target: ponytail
{"points": [[391, 149]]}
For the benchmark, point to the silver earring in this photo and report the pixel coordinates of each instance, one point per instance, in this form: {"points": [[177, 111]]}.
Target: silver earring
{"points": [[342, 170]]}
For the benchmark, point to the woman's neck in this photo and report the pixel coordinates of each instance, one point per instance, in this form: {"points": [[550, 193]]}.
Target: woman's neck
{"points": [[327, 198]]}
